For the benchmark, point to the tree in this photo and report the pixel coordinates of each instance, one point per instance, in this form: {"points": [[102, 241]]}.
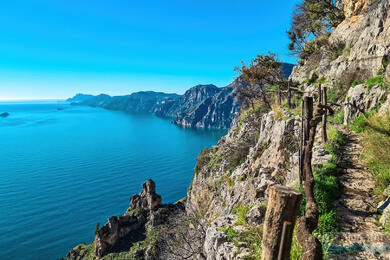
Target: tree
{"points": [[262, 72], [311, 19], [184, 238]]}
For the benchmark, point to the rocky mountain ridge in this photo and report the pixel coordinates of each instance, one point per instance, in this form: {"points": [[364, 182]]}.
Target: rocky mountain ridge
{"points": [[204, 106]]}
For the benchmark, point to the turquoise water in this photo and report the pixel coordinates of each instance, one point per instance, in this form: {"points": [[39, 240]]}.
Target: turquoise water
{"points": [[64, 168]]}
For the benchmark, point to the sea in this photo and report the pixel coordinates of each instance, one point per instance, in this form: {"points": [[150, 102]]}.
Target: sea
{"points": [[64, 168]]}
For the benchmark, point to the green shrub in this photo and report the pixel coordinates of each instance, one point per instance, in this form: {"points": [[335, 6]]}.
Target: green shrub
{"points": [[337, 50], [385, 63], [358, 124], [202, 160], [253, 238], [215, 161], [230, 233], [241, 210], [378, 80], [356, 82], [228, 180], [337, 117], [296, 249], [313, 79]]}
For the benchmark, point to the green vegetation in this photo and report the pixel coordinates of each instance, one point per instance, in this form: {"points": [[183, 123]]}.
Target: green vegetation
{"points": [[337, 50], [261, 72], [296, 249], [86, 252], [241, 210], [251, 237], [338, 117], [358, 124], [313, 79], [136, 212], [237, 155], [387, 226], [228, 181], [215, 162], [377, 80], [375, 130], [376, 153], [230, 233], [325, 193], [296, 104], [202, 160], [356, 82], [312, 20], [385, 63]]}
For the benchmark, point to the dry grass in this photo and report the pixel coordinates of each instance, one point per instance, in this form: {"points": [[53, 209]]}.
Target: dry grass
{"points": [[376, 152], [278, 112]]}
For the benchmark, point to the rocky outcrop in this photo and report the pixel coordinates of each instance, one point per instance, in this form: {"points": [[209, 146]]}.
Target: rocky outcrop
{"points": [[123, 237], [363, 37], [361, 99], [148, 199], [116, 233]]}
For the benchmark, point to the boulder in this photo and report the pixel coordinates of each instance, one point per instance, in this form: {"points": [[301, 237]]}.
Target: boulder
{"points": [[255, 215]]}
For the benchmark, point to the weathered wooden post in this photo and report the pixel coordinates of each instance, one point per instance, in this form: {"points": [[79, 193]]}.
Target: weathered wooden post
{"points": [[283, 205], [307, 114], [301, 143], [289, 94], [319, 94], [325, 103]]}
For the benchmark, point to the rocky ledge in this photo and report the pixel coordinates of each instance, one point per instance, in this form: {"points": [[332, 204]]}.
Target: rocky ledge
{"points": [[133, 235]]}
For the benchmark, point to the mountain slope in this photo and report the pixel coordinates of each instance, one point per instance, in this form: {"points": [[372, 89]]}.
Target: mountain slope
{"points": [[205, 106]]}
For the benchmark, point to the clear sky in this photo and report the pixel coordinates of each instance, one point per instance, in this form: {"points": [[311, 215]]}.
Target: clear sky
{"points": [[55, 49]]}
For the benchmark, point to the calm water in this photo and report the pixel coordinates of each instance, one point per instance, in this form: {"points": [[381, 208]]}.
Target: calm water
{"points": [[62, 171]]}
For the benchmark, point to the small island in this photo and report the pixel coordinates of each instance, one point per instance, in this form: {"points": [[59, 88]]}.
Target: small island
{"points": [[5, 114]]}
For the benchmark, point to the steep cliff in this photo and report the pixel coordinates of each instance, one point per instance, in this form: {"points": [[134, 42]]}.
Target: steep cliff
{"points": [[360, 46]]}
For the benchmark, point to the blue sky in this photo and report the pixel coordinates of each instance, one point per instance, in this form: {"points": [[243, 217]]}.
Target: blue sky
{"points": [[55, 49]]}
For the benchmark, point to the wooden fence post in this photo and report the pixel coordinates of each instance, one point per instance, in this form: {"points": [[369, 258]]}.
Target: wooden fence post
{"points": [[307, 115], [301, 144], [283, 205], [325, 103], [289, 94], [319, 94]]}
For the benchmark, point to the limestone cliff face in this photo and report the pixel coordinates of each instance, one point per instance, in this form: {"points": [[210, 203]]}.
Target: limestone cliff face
{"points": [[217, 111], [257, 151], [365, 35]]}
